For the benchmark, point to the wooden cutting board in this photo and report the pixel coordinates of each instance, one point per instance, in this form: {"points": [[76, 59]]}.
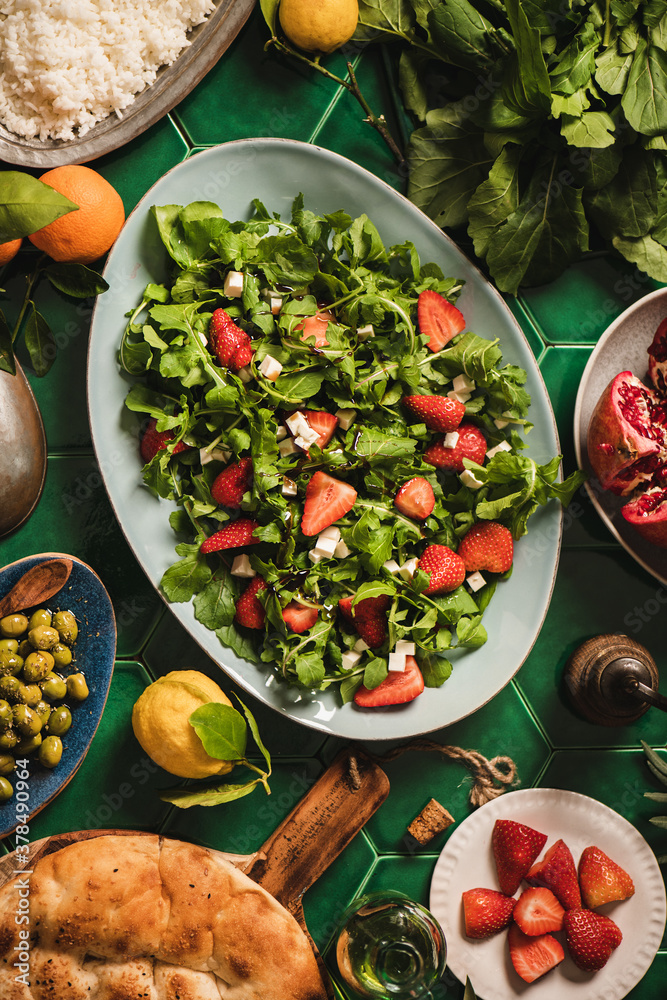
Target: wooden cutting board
{"points": [[303, 846]]}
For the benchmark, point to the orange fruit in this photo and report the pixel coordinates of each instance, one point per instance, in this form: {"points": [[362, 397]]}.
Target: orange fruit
{"points": [[9, 250], [82, 235]]}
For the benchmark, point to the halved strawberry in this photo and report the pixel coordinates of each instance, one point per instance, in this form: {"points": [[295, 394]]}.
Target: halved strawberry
{"points": [[438, 319], [327, 500], [397, 688], [533, 956], [249, 610], [232, 536], [230, 344], [471, 444], [538, 912], [316, 326], [515, 847], [152, 441], [368, 618], [591, 938], [298, 617], [601, 880], [447, 570], [488, 545], [415, 498], [230, 485], [556, 871], [486, 912], [324, 423], [439, 413]]}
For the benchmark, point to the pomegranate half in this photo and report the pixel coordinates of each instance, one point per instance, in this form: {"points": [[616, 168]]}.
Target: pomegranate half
{"points": [[648, 515]]}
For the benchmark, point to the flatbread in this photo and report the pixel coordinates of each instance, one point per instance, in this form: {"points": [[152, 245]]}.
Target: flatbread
{"points": [[146, 918]]}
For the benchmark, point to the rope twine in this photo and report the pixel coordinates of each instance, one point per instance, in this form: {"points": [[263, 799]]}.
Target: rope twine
{"points": [[491, 777]]}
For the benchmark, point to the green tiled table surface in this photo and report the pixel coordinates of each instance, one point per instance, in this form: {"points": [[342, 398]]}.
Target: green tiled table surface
{"points": [[599, 588]]}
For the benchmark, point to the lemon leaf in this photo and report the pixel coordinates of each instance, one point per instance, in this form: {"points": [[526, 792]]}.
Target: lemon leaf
{"points": [[254, 729], [213, 795], [221, 729]]}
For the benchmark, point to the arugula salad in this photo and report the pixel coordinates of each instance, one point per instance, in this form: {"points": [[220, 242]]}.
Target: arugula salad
{"points": [[283, 354]]}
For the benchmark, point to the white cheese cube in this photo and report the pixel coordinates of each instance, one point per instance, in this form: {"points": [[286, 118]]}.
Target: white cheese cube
{"points": [[276, 304], [302, 443], [501, 424], [451, 439], [346, 418], [281, 433], [215, 455], [364, 332], [287, 447], [409, 568], [405, 647], [315, 556], [460, 397], [350, 659], [475, 581], [270, 368], [341, 551], [397, 661], [392, 566], [360, 646], [297, 423], [333, 531], [470, 480], [245, 373], [503, 446], [241, 566], [289, 487], [233, 286], [463, 384], [326, 546]]}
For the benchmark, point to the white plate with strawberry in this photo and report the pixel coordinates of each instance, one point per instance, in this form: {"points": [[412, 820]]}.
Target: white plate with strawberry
{"points": [[573, 902]]}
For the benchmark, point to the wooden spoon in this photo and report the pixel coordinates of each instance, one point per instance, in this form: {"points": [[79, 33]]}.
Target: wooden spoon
{"points": [[36, 586], [22, 451]]}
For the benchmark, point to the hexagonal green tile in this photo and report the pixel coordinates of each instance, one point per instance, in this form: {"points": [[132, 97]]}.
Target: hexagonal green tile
{"points": [[133, 168], [652, 986], [325, 901], [561, 369], [526, 323]]}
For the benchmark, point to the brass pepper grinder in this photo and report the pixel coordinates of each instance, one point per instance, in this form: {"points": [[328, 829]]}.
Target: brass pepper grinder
{"points": [[613, 680]]}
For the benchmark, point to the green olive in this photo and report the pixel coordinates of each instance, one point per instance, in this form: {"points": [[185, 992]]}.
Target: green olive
{"points": [[8, 739], [41, 617], [9, 688], [51, 751], [77, 687], [60, 720], [37, 666], [7, 763], [26, 720], [6, 715], [12, 626], [66, 624], [61, 654], [29, 744], [25, 648], [6, 790], [43, 637], [30, 694], [10, 663], [53, 687], [9, 645]]}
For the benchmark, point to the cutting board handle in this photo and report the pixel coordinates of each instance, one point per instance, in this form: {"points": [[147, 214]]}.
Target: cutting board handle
{"points": [[323, 823]]}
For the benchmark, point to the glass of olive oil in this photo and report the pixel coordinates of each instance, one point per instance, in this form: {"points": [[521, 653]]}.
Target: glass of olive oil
{"points": [[390, 947]]}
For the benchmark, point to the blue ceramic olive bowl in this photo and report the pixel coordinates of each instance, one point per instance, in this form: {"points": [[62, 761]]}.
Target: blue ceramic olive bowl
{"points": [[94, 653]]}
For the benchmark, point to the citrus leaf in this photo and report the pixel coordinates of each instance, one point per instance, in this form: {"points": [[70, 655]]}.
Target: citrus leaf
{"points": [[469, 993], [40, 343], [221, 729], [213, 795], [7, 362], [76, 280], [254, 729], [27, 204]]}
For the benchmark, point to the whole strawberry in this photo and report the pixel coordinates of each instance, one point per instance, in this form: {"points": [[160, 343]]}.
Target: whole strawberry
{"points": [[471, 444], [232, 536], [486, 911], [230, 485], [439, 413], [447, 569], [601, 880], [231, 345], [489, 546], [249, 609], [590, 938], [368, 618], [152, 441]]}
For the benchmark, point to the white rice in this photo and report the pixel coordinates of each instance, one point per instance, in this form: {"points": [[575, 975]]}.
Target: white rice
{"points": [[67, 64]]}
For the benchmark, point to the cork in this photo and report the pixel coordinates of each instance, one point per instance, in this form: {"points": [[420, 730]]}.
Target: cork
{"points": [[433, 819]]}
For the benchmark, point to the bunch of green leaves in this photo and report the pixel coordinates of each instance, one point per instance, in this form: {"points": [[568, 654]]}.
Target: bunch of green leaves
{"points": [[27, 205], [224, 735], [541, 126], [342, 262], [658, 768]]}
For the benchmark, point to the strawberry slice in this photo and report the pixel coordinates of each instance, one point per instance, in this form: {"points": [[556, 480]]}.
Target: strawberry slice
{"points": [[232, 536], [488, 545], [439, 413], [533, 956], [601, 880], [515, 847], [590, 938], [327, 500], [447, 571], [486, 912], [249, 609], [415, 498], [230, 485], [316, 326], [556, 871], [230, 344], [538, 911], [324, 423], [368, 618], [438, 319], [152, 441], [299, 617], [397, 688], [471, 444]]}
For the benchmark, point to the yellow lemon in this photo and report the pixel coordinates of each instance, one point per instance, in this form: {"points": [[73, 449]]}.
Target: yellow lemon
{"points": [[160, 722], [318, 25]]}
